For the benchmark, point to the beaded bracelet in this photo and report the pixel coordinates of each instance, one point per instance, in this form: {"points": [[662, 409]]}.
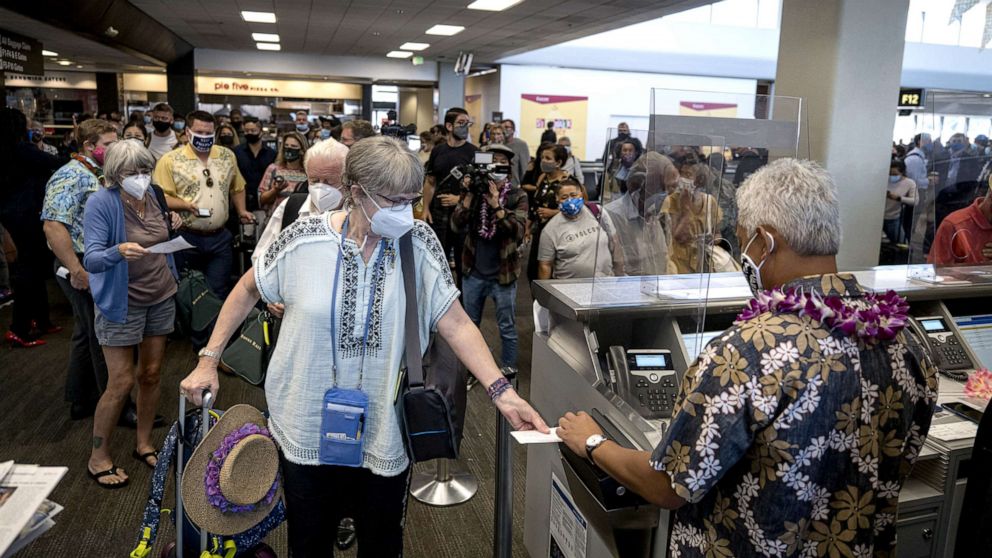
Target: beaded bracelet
{"points": [[497, 388]]}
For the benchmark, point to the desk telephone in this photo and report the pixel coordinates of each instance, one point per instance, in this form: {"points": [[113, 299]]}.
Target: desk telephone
{"points": [[645, 379], [948, 353]]}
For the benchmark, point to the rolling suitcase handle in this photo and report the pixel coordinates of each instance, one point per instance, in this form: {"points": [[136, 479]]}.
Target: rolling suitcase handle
{"points": [[208, 400]]}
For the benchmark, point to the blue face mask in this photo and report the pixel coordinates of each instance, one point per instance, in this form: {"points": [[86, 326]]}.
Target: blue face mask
{"points": [[201, 143], [571, 207], [894, 179], [956, 147], [148, 119], [303, 128], [179, 126], [325, 133]]}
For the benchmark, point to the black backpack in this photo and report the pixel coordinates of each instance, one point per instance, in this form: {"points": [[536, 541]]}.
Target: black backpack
{"points": [[293, 205]]}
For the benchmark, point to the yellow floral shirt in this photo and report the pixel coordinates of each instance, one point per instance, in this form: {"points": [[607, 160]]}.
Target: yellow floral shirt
{"points": [[793, 440]]}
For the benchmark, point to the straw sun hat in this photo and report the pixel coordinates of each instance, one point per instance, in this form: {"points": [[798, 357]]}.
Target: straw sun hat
{"points": [[231, 481]]}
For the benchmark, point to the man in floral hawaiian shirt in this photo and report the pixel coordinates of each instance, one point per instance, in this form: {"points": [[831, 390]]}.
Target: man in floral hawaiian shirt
{"points": [[797, 426]]}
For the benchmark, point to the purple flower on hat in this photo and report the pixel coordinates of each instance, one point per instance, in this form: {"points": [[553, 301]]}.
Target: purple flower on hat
{"points": [[211, 480]]}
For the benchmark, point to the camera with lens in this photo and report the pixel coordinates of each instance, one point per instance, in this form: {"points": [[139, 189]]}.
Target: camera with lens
{"points": [[480, 172]]}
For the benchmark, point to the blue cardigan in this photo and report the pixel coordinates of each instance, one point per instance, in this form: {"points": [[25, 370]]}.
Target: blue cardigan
{"points": [[103, 230]]}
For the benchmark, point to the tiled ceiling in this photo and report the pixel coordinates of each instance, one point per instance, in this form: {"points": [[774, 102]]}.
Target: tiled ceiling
{"points": [[89, 54], [374, 27]]}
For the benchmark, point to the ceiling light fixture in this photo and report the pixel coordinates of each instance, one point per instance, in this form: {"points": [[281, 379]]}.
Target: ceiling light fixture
{"points": [[80, 66], [445, 30], [64, 63], [49, 53], [258, 17], [414, 46], [265, 37], [268, 46], [493, 5], [398, 54]]}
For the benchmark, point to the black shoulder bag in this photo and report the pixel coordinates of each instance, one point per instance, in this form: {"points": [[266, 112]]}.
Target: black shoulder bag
{"points": [[432, 407]]}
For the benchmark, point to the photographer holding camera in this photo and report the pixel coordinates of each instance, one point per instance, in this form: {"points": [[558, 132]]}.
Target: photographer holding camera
{"points": [[441, 186], [492, 215]]}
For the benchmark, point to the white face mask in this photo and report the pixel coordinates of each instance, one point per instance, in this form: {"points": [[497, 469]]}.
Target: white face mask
{"points": [[752, 271], [136, 185], [390, 222], [324, 196]]}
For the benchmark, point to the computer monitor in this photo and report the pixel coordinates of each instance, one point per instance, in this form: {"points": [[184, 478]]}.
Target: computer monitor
{"points": [[695, 342], [977, 332]]}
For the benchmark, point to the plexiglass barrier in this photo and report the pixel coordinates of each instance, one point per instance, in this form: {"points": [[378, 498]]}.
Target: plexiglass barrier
{"points": [[951, 224]]}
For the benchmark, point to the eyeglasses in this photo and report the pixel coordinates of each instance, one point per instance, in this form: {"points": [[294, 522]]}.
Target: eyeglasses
{"points": [[210, 181], [398, 204]]}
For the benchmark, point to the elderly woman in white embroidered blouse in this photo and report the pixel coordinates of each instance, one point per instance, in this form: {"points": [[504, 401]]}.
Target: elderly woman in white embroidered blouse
{"points": [[299, 270]]}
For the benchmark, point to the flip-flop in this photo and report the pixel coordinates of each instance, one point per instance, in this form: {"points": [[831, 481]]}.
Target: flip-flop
{"points": [[109, 486], [143, 457]]}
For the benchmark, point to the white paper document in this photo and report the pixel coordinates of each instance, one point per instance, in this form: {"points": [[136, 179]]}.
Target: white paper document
{"points": [[535, 437], [62, 272], [174, 245], [22, 492], [961, 430]]}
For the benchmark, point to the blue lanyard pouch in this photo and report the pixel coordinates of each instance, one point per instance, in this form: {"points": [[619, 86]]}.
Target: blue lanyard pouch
{"points": [[344, 411], [342, 427]]}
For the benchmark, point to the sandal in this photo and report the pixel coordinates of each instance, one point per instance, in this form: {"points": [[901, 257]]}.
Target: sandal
{"points": [[108, 485], [143, 457]]}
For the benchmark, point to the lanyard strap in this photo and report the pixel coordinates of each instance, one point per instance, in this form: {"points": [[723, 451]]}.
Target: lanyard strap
{"points": [[368, 312]]}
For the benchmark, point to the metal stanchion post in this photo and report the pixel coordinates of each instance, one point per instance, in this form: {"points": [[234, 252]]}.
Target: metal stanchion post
{"points": [[503, 513], [449, 485]]}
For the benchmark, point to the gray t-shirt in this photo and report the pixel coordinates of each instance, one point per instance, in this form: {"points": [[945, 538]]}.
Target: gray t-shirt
{"points": [[576, 248]]}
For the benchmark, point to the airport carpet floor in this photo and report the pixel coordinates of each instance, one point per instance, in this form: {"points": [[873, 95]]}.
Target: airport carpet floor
{"points": [[35, 428]]}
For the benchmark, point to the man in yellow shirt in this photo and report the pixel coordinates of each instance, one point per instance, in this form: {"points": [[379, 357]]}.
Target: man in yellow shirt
{"points": [[201, 180]]}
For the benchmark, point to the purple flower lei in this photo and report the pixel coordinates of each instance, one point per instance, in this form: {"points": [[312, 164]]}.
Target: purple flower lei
{"points": [[212, 478], [487, 225], [873, 318]]}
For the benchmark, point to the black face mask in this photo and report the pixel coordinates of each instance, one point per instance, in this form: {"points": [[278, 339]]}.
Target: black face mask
{"points": [[161, 127], [290, 154], [237, 124], [623, 135], [226, 140], [253, 138]]}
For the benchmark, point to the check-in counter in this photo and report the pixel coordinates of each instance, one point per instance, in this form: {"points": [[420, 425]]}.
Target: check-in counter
{"points": [[618, 348]]}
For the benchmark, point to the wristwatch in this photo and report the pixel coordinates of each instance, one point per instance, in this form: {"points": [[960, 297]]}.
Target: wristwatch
{"points": [[205, 352], [593, 442]]}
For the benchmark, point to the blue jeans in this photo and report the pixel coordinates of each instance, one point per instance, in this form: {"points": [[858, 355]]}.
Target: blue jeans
{"points": [[213, 255], [891, 228], [475, 291]]}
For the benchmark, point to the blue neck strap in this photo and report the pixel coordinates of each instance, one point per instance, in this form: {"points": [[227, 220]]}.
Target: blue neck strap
{"points": [[368, 313]]}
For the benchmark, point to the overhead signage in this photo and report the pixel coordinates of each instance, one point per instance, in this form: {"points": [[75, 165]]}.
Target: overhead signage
{"points": [[299, 89], [20, 54], [52, 80], [910, 98]]}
